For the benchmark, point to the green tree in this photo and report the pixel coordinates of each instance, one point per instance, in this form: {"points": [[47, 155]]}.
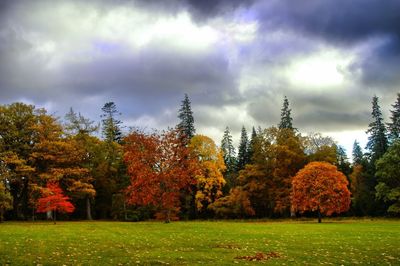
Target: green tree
{"points": [[250, 148], [185, 114], [377, 141], [229, 155], [388, 169], [243, 159], [286, 119], [357, 153], [343, 163], [77, 124], [111, 126], [394, 125]]}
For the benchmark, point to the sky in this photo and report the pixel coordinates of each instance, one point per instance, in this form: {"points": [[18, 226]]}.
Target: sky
{"points": [[235, 59]]}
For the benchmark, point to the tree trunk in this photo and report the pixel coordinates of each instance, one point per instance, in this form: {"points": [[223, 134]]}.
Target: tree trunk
{"points": [[168, 217], [88, 209], [319, 216], [124, 206], [1, 215], [54, 216]]}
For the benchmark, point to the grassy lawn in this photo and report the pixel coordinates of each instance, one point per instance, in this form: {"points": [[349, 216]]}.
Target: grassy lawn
{"points": [[346, 242]]}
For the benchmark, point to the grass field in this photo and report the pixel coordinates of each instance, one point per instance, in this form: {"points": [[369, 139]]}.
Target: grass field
{"points": [[346, 242]]}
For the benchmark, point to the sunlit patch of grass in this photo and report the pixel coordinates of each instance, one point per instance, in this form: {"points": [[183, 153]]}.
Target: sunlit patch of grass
{"points": [[334, 242]]}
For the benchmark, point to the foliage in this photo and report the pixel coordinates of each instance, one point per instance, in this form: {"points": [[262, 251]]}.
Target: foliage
{"points": [[236, 204], [320, 187], [242, 158], [286, 119], [394, 125], [357, 153], [377, 140], [320, 148], [209, 178], [252, 143], [53, 199], [5, 200], [111, 126], [159, 169], [186, 124], [228, 151], [388, 169]]}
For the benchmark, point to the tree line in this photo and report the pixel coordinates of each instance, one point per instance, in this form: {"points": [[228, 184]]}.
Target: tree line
{"points": [[49, 166]]}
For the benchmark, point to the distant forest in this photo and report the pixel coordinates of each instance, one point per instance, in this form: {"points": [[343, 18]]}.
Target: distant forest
{"points": [[61, 169]]}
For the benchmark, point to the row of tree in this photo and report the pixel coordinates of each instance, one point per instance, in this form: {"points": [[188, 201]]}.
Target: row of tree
{"points": [[45, 165]]}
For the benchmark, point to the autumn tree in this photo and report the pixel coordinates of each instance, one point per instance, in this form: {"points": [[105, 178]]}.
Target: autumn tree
{"points": [[394, 125], [16, 141], [388, 169], [377, 140], [209, 179], [286, 118], [54, 200], [320, 148], [236, 204], [159, 167], [320, 187], [242, 158], [186, 123], [58, 159], [229, 155]]}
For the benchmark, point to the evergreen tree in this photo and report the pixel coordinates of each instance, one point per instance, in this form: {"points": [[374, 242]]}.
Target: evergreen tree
{"points": [[377, 141], [357, 153], [243, 148], [111, 125], [286, 119], [343, 164], [250, 148], [394, 126], [228, 151], [185, 114]]}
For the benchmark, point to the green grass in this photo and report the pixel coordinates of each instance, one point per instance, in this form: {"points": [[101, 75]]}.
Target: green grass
{"points": [[336, 242]]}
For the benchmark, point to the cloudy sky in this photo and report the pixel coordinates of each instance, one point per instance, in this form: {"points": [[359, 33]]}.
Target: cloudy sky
{"points": [[235, 59]]}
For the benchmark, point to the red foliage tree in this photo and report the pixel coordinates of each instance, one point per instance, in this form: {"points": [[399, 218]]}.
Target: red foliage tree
{"points": [[320, 187], [54, 200], [159, 167]]}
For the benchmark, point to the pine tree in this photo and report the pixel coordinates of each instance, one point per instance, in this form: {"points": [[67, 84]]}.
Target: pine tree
{"points": [[228, 151], [377, 140], [286, 119], [250, 148], [394, 126], [111, 126], [185, 114], [243, 148], [357, 153]]}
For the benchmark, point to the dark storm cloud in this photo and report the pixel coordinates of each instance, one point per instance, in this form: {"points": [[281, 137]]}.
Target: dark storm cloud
{"points": [[340, 20]]}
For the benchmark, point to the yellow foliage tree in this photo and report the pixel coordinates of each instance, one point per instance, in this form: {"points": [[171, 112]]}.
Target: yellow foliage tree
{"points": [[209, 179]]}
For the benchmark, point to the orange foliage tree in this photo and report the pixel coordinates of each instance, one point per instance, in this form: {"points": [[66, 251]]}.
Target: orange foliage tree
{"points": [[54, 200], [159, 167], [320, 187]]}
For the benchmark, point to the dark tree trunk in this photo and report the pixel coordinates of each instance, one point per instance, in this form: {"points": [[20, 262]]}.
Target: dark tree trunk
{"points": [[319, 216], [88, 209], [1, 215], [54, 216]]}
